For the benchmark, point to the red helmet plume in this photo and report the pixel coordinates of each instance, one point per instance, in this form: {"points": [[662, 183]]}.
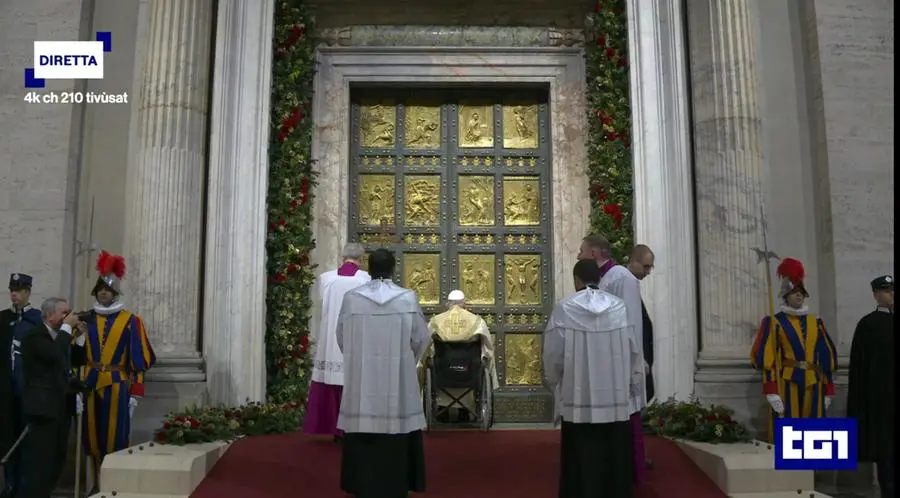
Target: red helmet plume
{"points": [[792, 270], [111, 264]]}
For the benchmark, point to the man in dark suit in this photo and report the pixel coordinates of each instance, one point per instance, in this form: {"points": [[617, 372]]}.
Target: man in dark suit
{"points": [[47, 365]]}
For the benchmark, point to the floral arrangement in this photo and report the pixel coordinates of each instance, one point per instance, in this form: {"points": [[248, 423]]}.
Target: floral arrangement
{"points": [[291, 182], [203, 425], [609, 118], [694, 422]]}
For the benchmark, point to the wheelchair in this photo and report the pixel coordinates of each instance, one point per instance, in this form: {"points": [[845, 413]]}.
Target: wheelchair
{"points": [[457, 366]]}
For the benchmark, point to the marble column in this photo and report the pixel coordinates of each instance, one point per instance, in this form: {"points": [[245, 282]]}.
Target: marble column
{"points": [[165, 183], [663, 186], [729, 176], [234, 316]]}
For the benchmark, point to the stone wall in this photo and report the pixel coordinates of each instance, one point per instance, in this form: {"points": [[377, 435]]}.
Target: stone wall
{"points": [[104, 146], [853, 44], [39, 149]]}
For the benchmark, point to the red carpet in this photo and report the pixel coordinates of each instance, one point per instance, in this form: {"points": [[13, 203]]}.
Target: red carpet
{"points": [[499, 464]]}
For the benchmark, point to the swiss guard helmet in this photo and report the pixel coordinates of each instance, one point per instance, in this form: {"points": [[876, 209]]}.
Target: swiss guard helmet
{"points": [[791, 273], [112, 270]]}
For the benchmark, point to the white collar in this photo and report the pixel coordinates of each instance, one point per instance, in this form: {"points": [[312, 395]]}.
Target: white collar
{"points": [[801, 311], [115, 307], [884, 310]]}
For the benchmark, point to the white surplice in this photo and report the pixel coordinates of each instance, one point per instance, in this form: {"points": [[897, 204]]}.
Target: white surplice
{"points": [[591, 359], [382, 334], [330, 289], [620, 282]]}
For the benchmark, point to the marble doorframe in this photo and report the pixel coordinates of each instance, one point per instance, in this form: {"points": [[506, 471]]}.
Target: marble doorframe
{"points": [[664, 202], [562, 69]]}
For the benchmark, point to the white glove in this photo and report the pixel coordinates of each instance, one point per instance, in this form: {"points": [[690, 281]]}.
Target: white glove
{"points": [[828, 401], [132, 404], [776, 402], [79, 404]]}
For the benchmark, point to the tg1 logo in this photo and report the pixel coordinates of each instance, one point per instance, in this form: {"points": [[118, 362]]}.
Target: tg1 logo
{"points": [[815, 444]]}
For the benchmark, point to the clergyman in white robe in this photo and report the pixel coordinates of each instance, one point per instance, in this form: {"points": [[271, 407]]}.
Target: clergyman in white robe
{"points": [[593, 364], [327, 381], [382, 334]]}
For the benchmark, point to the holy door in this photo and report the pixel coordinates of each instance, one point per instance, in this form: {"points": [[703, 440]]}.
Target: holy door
{"points": [[457, 183]]}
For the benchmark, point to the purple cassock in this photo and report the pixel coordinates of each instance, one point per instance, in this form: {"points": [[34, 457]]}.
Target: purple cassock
{"points": [[324, 402]]}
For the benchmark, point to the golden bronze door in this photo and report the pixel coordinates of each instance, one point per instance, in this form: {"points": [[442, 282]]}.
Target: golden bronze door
{"points": [[457, 183]]}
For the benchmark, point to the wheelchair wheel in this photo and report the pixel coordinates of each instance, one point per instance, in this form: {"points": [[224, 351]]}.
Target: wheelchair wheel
{"points": [[428, 399], [487, 403]]}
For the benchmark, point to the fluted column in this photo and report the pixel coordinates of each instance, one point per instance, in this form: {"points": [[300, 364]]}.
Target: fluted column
{"points": [[663, 187], [164, 222], [234, 321], [728, 173]]}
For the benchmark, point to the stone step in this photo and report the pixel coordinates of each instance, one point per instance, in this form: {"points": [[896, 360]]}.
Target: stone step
{"points": [[746, 468], [175, 375], [186, 361], [152, 470]]}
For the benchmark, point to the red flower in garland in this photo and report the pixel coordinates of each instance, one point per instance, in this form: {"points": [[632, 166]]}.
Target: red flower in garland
{"points": [[611, 53], [304, 190], [293, 268], [601, 41], [615, 212], [289, 123], [304, 343], [604, 118]]}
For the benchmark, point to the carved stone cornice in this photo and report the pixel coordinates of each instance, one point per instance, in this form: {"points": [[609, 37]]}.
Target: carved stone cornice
{"points": [[449, 36]]}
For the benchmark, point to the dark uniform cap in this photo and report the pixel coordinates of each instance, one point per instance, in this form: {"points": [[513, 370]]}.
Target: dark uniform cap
{"points": [[884, 282], [19, 281]]}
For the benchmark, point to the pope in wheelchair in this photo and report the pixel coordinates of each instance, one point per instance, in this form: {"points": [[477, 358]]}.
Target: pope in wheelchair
{"points": [[457, 372]]}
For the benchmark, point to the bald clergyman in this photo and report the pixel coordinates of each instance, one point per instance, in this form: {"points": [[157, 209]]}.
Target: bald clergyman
{"points": [[324, 402]]}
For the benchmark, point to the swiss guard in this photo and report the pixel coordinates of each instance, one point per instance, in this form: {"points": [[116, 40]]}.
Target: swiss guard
{"points": [[795, 353], [118, 353], [15, 322]]}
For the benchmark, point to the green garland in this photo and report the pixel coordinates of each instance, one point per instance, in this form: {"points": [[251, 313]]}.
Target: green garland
{"points": [[291, 182], [609, 117]]}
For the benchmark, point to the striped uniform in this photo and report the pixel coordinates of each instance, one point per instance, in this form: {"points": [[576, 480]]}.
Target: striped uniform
{"points": [[798, 359], [117, 355]]}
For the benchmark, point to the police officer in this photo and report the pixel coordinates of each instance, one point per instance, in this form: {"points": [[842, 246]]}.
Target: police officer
{"points": [[871, 391], [15, 322]]}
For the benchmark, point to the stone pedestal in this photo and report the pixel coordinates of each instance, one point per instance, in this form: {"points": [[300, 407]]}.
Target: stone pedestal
{"points": [[165, 183], [730, 176], [234, 310], [664, 207]]}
